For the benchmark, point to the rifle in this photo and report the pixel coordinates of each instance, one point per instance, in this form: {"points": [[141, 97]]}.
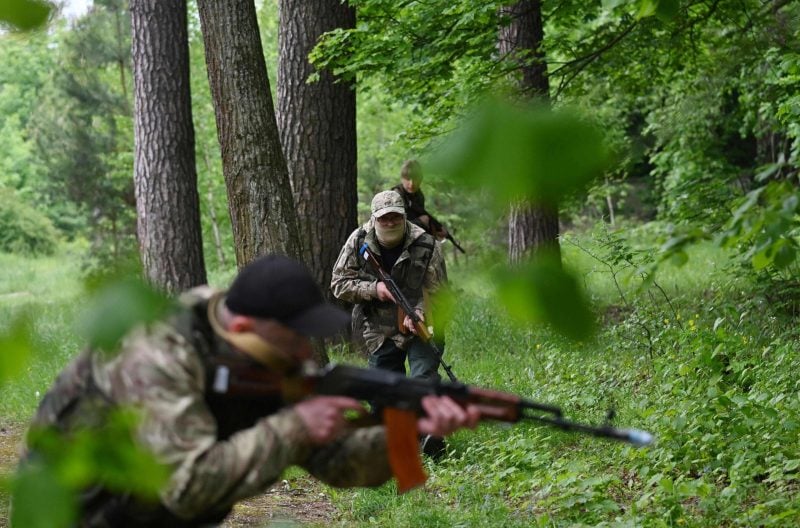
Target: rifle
{"points": [[423, 331], [437, 226], [398, 399]]}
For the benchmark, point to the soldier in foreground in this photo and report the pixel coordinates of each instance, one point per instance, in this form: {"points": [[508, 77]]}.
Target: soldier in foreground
{"points": [[222, 450], [412, 257]]}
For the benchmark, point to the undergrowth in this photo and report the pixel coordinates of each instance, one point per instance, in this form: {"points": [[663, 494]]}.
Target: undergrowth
{"points": [[697, 355], [693, 354]]}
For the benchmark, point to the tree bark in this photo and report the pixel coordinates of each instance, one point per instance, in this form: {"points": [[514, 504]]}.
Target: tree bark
{"points": [[531, 227], [532, 230], [317, 123], [165, 176], [260, 200]]}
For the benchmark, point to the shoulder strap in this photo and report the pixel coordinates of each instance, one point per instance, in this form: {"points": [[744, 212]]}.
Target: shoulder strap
{"points": [[427, 243]]}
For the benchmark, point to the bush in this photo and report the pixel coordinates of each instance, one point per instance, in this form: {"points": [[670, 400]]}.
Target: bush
{"points": [[23, 229]]}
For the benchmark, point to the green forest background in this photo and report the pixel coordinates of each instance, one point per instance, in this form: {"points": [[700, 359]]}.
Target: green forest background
{"points": [[685, 248]]}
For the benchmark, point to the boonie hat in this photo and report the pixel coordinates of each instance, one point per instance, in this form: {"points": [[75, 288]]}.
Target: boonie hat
{"points": [[278, 287], [387, 202]]}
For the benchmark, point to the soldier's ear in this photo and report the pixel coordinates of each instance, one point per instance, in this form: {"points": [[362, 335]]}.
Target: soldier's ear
{"points": [[240, 323]]}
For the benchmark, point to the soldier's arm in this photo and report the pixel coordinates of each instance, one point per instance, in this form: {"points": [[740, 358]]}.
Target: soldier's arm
{"points": [[165, 378], [357, 459], [435, 275], [348, 283]]}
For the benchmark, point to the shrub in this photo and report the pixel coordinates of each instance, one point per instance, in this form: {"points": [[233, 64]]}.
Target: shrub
{"points": [[23, 229]]}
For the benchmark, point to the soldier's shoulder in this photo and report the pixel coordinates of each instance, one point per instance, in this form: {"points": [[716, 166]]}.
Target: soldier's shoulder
{"points": [[419, 235]]}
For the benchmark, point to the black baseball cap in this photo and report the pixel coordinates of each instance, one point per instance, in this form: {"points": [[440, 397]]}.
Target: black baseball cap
{"points": [[278, 287]]}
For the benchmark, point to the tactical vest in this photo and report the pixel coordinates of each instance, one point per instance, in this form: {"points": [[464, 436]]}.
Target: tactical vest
{"points": [[410, 273], [376, 320], [232, 413]]}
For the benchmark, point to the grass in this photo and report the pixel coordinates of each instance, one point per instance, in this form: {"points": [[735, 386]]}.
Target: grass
{"points": [[45, 291], [701, 361]]}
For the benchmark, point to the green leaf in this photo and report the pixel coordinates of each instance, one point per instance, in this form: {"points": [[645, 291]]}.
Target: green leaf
{"points": [[762, 259], [118, 307], [35, 486], [107, 454], [15, 348], [667, 9], [443, 305], [679, 258], [524, 152], [542, 291], [785, 255], [647, 8], [24, 14]]}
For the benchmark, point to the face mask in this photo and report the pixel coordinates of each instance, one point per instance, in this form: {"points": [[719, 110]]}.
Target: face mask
{"points": [[390, 236]]}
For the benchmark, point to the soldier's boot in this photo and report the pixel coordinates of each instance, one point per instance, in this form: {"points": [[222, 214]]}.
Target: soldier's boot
{"points": [[434, 447]]}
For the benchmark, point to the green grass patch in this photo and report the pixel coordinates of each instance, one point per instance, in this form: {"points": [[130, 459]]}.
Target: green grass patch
{"points": [[46, 290], [698, 357]]}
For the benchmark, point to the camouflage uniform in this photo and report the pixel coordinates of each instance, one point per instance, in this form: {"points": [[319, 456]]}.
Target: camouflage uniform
{"points": [[418, 269], [220, 450]]}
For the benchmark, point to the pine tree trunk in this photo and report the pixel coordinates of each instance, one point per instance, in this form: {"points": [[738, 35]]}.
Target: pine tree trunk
{"points": [[165, 176], [260, 200], [317, 123], [531, 228]]}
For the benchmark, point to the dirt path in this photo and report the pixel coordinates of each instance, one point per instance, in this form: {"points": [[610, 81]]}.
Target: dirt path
{"points": [[299, 502]]}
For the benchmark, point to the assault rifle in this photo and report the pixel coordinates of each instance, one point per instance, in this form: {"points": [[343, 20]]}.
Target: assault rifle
{"points": [[423, 331], [397, 399], [437, 226]]}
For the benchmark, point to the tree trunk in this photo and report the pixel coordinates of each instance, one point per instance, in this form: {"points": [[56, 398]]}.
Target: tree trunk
{"points": [[531, 227], [531, 231], [259, 194], [317, 123], [165, 176]]}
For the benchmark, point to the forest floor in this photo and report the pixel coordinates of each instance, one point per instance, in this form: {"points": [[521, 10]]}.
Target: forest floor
{"points": [[300, 501]]}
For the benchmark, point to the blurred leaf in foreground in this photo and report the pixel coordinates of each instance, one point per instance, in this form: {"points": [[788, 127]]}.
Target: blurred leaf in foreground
{"points": [[443, 305], [24, 15], [15, 348], [41, 500], [119, 305], [524, 152], [541, 291], [63, 466]]}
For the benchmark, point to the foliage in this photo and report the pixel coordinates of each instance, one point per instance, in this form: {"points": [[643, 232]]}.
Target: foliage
{"points": [[65, 464], [24, 14], [714, 382], [24, 229], [509, 152]]}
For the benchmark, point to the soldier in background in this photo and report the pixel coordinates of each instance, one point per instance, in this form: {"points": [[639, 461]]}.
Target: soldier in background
{"points": [[414, 260], [414, 201], [221, 450]]}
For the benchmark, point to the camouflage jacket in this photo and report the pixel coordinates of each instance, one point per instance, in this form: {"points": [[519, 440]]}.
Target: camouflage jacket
{"points": [[418, 270], [162, 370]]}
